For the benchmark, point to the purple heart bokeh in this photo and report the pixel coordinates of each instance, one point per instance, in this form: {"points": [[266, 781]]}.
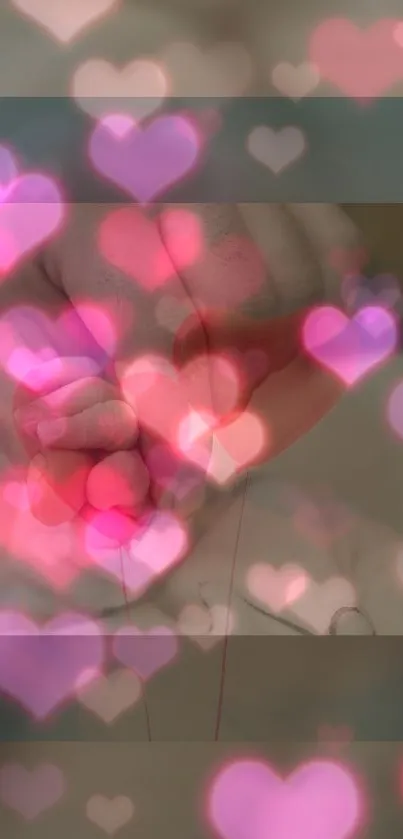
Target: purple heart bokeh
{"points": [[145, 651], [41, 668], [144, 161], [350, 347]]}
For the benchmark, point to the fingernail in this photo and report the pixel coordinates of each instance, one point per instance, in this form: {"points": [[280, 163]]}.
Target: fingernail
{"points": [[49, 432]]}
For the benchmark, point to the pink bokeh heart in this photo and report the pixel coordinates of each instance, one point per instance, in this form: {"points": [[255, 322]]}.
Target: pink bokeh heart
{"points": [[135, 552], [249, 800], [31, 792], [200, 421], [149, 263], [144, 161], [277, 588], [361, 63], [350, 348], [145, 651], [41, 667], [31, 210]]}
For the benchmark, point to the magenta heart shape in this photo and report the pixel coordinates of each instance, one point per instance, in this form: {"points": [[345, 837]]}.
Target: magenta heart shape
{"points": [[350, 348], [144, 161], [31, 209], [145, 651], [42, 667], [319, 800]]}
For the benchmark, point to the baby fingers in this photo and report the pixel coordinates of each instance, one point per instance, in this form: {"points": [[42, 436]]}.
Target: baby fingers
{"points": [[111, 426]]}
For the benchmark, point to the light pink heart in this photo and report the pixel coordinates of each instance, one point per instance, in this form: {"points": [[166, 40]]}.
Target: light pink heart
{"points": [[206, 627], [145, 651], [110, 696], [139, 557], [110, 814], [31, 210], [142, 83], [31, 792], [276, 588], [344, 55], [319, 800]]}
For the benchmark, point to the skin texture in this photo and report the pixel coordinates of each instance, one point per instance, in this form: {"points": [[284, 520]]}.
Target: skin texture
{"points": [[294, 242], [290, 393]]}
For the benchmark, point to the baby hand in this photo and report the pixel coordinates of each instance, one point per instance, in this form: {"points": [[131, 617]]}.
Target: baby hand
{"points": [[81, 436]]}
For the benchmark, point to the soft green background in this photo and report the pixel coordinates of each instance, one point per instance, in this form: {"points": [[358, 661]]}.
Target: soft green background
{"points": [[382, 228]]}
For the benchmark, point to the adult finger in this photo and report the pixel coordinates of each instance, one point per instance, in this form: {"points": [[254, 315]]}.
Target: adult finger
{"points": [[258, 348]]}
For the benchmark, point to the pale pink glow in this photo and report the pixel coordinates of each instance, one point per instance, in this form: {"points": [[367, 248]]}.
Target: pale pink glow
{"points": [[142, 83], [344, 55], [99, 323], [112, 695], [206, 627], [237, 445], [149, 263], [138, 553], [183, 234], [321, 799], [30, 792], [35, 350], [16, 494], [194, 427], [24, 223], [25, 366], [207, 383], [110, 814], [20, 355], [151, 651], [65, 21], [189, 411], [277, 588]]}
